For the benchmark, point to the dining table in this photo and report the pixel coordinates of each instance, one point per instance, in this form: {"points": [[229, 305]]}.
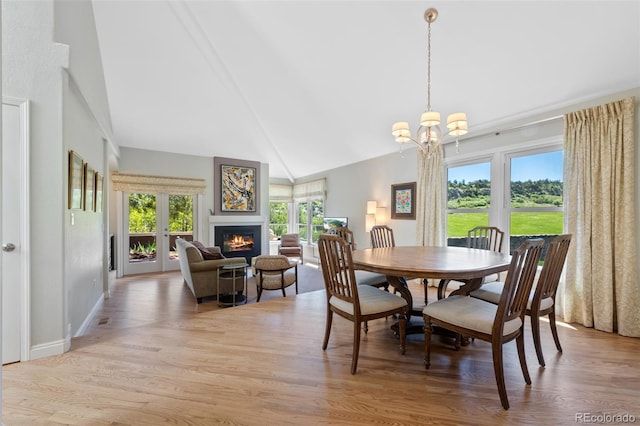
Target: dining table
{"points": [[466, 265]]}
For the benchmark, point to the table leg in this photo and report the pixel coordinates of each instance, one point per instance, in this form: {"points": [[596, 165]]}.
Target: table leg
{"points": [[400, 284]]}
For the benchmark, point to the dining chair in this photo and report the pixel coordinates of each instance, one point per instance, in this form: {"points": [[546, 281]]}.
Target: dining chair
{"points": [[497, 324], [362, 277], [275, 272], [382, 236], [351, 301], [290, 246], [483, 238], [542, 299]]}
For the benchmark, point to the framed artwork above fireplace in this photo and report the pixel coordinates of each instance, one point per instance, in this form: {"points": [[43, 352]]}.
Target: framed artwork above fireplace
{"points": [[236, 187]]}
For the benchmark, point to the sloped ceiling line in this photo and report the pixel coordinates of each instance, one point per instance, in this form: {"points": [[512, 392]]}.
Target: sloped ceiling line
{"points": [[192, 26]]}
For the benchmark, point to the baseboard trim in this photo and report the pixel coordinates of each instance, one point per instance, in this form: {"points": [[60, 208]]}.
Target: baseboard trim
{"points": [[47, 349], [87, 321]]}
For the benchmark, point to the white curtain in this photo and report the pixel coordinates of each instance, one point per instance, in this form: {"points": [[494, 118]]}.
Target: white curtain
{"points": [[431, 207], [601, 288]]}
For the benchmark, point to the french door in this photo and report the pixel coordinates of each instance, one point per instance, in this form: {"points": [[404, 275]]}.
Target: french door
{"points": [[153, 222]]}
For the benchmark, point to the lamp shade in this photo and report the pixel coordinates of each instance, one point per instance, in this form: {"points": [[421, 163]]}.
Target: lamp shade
{"points": [[370, 221], [381, 216], [371, 207], [430, 119], [401, 132], [457, 124]]}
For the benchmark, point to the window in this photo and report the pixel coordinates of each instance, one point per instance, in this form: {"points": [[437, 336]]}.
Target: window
{"points": [[310, 220], [279, 218], [520, 192], [468, 200], [535, 201]]}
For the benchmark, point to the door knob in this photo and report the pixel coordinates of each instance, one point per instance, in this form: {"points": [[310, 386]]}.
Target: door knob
{"points": [[8, 247]]}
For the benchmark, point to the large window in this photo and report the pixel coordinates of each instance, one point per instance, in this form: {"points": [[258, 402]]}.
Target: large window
{"points": [[278, 218], [535, 200], [468, 200], [520, 192], [310, 222]]}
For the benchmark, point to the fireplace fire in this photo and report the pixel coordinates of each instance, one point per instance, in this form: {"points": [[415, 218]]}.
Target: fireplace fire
{"points": [[239, 241]]}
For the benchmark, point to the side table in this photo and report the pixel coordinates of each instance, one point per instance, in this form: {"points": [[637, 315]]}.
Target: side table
{"points": [[230, 273]]}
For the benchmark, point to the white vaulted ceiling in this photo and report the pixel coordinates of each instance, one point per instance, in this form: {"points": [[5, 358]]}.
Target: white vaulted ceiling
{"points": [[308, 86]]}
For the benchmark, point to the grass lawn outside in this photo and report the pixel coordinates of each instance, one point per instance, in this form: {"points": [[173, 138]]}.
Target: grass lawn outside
{"points": [[523, 223]]}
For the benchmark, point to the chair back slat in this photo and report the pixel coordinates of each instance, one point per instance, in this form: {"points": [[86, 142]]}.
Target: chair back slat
{"points": [[485, 238], [552, 268], [337, 269], [382, 236], [518, 283], [345, 233]]}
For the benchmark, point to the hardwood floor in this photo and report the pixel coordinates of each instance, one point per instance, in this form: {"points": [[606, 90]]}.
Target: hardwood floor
{"points": [[153, 356]]}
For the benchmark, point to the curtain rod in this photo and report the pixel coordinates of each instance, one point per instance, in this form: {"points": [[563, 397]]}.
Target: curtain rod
{"points": [[510, 129]]}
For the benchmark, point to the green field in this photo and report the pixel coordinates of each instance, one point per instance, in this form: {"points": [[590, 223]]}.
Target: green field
{"points": [[529, 223]]}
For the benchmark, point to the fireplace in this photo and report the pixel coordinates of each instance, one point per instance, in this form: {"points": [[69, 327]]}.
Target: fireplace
{"points": [[239, 241]]}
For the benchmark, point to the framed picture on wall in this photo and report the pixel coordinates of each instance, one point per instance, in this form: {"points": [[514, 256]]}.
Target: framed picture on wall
{"points": [[403, 201], [89, 182], [76, 181], [98, 192], [236, 186]]}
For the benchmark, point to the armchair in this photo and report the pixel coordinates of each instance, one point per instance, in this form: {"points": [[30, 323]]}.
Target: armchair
{"points": [[200, 275], [290, 246], [275, 272]]}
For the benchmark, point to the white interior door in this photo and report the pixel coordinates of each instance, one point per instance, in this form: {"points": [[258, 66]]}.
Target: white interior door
{"points": [[14, 230]]}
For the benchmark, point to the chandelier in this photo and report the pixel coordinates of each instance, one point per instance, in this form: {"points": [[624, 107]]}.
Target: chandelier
{"points": [[429, 134]]}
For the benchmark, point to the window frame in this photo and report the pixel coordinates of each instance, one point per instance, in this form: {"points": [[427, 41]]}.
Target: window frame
{"points": [[500, 162]]}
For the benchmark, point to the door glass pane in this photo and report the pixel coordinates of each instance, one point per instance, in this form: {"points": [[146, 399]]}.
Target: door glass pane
{"points": [[142, 228], [180, 221]]}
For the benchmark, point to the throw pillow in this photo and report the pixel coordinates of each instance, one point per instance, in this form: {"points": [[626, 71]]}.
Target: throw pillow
{"points": [[206, 254]]}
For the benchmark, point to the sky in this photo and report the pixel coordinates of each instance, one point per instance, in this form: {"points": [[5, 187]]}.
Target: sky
{"points": [[547, 165]]}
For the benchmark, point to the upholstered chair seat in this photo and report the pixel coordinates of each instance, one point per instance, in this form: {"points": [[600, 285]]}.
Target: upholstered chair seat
{"points": [[471, 313], [491, 293], [275, 272], [372, 300]]}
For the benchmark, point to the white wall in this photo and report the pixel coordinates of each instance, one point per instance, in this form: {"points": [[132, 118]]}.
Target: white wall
{"points": [[66, 260], [32, 65]]}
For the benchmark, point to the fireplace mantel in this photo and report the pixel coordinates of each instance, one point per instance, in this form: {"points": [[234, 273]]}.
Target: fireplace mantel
{"points": [[231, 220]]}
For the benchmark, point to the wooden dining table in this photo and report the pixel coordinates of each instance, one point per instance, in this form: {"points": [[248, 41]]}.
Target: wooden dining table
{"points": [[428, 262]]}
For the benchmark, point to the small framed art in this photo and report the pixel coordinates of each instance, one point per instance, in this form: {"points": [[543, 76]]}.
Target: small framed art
{"points": [[89, 182], [403, 201], [98, 192], [76, 181]]}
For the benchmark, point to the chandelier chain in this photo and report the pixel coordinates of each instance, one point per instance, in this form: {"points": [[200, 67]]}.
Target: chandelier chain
{"points": [[429, 66]]}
